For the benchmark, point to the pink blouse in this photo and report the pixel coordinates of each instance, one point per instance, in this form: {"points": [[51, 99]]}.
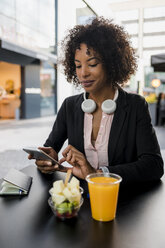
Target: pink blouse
{"points": [[97, 155]]}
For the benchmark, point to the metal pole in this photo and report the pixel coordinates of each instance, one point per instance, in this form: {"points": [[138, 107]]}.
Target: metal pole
{"points": [[90, 8]]}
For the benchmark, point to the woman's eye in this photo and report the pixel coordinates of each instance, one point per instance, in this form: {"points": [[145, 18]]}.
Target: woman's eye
{"points": [[93, 65], [78, 66]]}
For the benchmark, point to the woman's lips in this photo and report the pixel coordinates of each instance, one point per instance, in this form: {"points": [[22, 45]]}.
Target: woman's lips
{"points": [[87, 83]]}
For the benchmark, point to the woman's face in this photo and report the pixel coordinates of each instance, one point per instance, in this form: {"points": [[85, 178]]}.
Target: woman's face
{"points": [[89, 69]]}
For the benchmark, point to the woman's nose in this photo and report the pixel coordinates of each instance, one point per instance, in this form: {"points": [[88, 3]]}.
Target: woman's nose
{"points": [[84, 72]]}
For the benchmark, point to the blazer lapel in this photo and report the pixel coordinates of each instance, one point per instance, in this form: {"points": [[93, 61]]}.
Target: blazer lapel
{"points": [[117, 124], [79, 127]]}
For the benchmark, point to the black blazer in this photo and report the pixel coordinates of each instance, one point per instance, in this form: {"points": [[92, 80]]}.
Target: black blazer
{"points": [[133, 149]]}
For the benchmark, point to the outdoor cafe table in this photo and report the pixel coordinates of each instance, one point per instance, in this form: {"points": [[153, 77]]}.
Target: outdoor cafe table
{"points": [[28, 222]]}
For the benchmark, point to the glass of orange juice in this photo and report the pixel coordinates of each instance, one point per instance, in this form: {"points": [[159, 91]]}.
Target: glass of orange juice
{"points": [[103, 192]]}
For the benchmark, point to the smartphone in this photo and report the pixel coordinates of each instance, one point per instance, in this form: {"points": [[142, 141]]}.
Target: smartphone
{"points": [[40, 155]]}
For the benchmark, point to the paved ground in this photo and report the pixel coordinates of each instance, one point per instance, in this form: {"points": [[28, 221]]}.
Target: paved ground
{"points": [[16, 134]]}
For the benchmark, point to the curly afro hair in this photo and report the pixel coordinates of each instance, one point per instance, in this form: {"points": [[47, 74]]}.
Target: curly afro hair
{"points": [[109, 41]]}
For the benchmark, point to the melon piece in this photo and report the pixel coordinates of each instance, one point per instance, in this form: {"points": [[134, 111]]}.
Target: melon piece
{"points": [[58, 199], [58, 186], [74, 183]]}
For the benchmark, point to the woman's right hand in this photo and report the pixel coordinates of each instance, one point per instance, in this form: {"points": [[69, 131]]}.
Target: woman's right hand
{"points": [[46, 166]]}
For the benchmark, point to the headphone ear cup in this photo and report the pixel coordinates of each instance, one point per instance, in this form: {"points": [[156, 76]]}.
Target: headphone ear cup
{"points": [[108, 106], [88, 106]]}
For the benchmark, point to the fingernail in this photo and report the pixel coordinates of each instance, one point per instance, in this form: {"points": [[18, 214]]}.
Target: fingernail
{"points": [[49, 163]]}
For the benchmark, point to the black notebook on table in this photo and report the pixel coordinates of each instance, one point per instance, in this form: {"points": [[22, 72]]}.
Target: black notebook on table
{"points": [[15, 183]]}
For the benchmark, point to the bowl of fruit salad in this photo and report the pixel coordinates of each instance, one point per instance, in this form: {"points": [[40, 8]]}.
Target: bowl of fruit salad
{"points": [[66, 199]]}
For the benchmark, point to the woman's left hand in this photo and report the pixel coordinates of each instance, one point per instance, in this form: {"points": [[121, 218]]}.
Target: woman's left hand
{"points": [[81, 167]]}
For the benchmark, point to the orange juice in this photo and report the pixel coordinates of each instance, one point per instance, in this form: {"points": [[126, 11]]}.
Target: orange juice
{"points": [[103, 191]]}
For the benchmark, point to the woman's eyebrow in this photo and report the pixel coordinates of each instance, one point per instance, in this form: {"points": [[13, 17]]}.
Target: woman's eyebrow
{"points": [[92, 58], [76, 60]]}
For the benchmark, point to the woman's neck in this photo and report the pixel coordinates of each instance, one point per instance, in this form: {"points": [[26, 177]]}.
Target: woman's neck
{"points": [[102, 95]]}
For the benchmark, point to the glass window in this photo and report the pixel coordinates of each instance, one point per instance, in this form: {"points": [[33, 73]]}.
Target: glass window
{"points": [[154, 41], [147, 55], [134, 42], [131, 28], [131, 85], [7, 27], [8, 7], [154, 12], [83, 15], [150, 75], [118, 1], [30, 25], [127, 15], [152, 27], [47, 79]]}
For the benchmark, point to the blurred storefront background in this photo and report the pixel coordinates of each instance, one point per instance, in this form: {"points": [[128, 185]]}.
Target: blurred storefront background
{"points": [[31, 31], [145, 22], [28, 57]]}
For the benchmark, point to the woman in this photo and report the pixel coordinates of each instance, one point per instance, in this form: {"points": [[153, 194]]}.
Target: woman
{"points": [[114, 135]]}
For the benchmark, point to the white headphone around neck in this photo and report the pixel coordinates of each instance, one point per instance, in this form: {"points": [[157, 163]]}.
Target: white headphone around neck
{"points": [[108, 106]]}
